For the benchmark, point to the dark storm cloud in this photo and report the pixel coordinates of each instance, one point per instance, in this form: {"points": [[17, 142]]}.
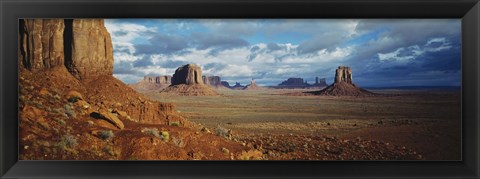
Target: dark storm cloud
{"points": [[176, 44], [123, 68], [172, 63], [163, 44], [221, 42], [143, 62], [328, 41], [215, 66]]}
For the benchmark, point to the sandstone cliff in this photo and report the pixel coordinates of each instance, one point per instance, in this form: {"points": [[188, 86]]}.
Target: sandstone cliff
{"points": [[189, 74], [152, 83], [77, 54], [92, 51], [41, 43]]}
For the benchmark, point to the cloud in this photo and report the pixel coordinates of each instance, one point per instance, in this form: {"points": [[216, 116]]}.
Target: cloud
{"points": [[145, 61], [273, 50]]}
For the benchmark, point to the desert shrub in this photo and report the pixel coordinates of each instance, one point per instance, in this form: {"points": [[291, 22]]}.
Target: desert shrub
{"points": [[176, 123], [165, 136], [178, 142], [151, 131], [60, 121], [67, 142], [57, 97], [223, 132], [106, 134], [109, 150], [69, 111], [73, 99], [37, 104], [58, 110]]}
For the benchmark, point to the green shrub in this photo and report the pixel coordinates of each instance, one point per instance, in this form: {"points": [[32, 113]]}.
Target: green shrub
{"points": [[165, 136], [175, 123]]}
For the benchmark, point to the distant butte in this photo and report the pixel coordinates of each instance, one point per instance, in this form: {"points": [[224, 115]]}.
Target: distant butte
{"points": [[187, 81], [343, 85]]}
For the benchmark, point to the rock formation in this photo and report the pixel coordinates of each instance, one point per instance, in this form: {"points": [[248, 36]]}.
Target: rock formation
{"points": [[165, 79], [344, 74], [41, 43], [293, 82], [343, 85], [189, 74], [320, 82], [152, 83], [252, 86], [83, 46], [187, 81], [78, 54], [225, 84], [237, 86]]}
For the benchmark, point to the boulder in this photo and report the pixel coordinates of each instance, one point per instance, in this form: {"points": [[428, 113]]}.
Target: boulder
{"points": [[110, 117], [74, 94]]}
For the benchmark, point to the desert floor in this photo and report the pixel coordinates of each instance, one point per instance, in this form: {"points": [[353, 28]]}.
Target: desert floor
{"points": [[427, 121]]}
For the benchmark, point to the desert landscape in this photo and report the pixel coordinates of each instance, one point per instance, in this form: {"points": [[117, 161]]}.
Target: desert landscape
{"points": [[73, 107]]}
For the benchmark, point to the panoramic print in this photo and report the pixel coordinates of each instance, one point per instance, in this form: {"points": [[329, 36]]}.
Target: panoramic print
{"points": [[239, 89]]}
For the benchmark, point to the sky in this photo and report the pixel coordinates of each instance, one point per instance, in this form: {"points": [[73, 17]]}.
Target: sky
{"points": [[380, 52]]}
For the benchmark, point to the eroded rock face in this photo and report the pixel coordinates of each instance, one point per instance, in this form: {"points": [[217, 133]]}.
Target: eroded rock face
{"points": [[344, 74], [41, 43], [212, 80], [225, 83], [83, 46], [320, 82], [189, 74], [293, 82], [165, 79], [92, 51]]}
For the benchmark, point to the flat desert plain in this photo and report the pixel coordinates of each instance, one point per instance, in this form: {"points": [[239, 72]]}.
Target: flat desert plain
{"points": [[414, 124]]}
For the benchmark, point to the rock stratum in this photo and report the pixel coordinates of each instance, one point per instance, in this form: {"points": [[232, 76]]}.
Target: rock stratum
{"points": [[72, 108], [83, 47], [343, 85], [187, 81], [152, 83]]}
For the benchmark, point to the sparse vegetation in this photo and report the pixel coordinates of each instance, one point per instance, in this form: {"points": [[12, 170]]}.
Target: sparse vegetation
{"points": [[109, 150], [57, 97], [178, 142], [151, 131], [67, 142], [165, 136], [223, 132], [106, 134], [176, 123], [69, 111]]}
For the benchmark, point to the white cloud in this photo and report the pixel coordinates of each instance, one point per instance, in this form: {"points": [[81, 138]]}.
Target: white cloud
{"points": [[407, 54]]}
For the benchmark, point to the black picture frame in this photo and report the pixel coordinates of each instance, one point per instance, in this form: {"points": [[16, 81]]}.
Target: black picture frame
{"points": [[467, 10]]}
